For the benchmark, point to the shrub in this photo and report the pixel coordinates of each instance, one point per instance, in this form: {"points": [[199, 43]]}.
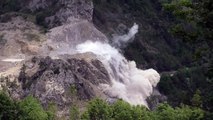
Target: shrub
{"points": [[74, 113], [97, 109], [31, 109], [8, 109]]}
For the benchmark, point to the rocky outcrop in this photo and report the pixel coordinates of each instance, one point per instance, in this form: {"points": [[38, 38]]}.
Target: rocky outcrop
{"points": [[155, 99], [62, 81], [19, 36], [64, 39], [57, 12]]}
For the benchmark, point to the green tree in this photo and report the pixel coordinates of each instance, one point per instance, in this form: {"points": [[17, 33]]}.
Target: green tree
{"points": [[8, 109], [52, 111], [166, 112], [194, 24], [141, 113], [122, 111], [195, 19], [196, 99], [74, 113], [186, 113], [31, 109], [97, 109]]}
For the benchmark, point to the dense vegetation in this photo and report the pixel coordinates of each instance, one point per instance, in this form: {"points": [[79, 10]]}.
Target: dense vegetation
{"points": [[97, 109], [100, 110], [189, 86], [194, 19], [193, 25], [26, 109]]}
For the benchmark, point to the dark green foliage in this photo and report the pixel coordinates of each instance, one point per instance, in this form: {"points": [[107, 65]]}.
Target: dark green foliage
{"points": [[189, 86], [52, 111], [166, 112], [142, 113], [31, 109], [74, 113], [8, 108], [124, 111], [196, 99], [194, 24], [27, 109], [9, 5], [97, 110]]}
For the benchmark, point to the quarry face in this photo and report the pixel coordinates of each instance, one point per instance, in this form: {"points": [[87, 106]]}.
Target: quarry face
{"points": [[71, 53]]}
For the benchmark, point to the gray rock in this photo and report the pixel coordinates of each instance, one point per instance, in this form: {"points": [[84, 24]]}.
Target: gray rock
{"points": [[58, 12], [57, 80], [155, 99], [64, 39]]}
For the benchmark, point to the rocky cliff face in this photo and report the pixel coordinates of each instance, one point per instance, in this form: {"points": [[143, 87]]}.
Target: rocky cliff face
{"points": [[66, 81], [57, 12], [63, 39], [25, 68], [43, 62], [51, 13], [19, 36]]}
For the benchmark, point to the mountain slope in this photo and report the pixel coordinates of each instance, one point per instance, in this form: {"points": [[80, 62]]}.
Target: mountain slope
{"points": [[153, 46]]}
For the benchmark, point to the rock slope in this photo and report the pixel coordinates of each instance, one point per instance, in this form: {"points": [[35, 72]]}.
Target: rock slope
{"points": [[66, 81]]}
